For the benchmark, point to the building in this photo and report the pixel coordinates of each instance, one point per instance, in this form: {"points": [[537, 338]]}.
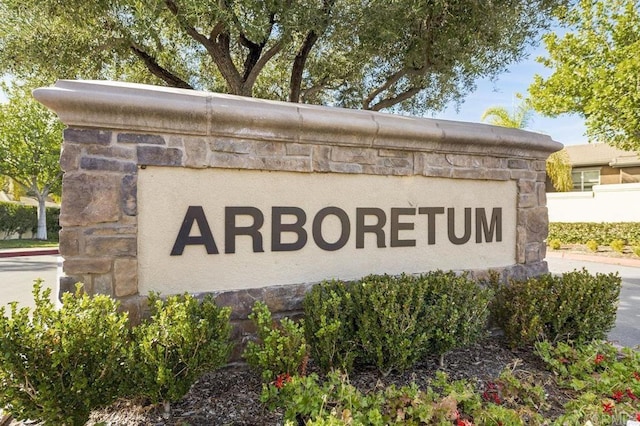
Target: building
{"points": [[601, 164]]}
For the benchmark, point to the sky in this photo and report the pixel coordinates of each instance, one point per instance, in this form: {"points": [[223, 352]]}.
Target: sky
{"points": [[566, 129]]}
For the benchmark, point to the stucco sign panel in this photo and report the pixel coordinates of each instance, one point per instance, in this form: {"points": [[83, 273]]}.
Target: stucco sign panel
{"points": [[213, 229]]}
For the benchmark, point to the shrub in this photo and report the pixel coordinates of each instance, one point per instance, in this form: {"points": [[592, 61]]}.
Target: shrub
{"points": [[282, 348], [392, 321], [182, 339], [16, 218], [617, 245], [330, 325], [636, 250], [555, 244], [581, 232], [58, 365], [592, 245], [575, 306], [457, 310]]}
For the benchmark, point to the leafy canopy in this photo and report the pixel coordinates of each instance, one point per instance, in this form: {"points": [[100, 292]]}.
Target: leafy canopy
{"points": [[30, 140], [596, 69], [409, 55]]}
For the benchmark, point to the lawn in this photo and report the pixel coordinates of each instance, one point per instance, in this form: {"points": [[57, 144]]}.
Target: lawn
{"points": [[9, 244]]}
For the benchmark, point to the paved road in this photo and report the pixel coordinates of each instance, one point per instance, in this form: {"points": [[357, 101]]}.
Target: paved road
{"points": [[17, 275], [627, 329]]}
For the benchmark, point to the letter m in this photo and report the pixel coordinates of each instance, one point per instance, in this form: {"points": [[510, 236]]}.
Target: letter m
{"points": [[491, 228]]}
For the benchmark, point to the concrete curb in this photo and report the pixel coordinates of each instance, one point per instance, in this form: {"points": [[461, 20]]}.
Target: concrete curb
{"points": [[29, 252], [620, 261]]}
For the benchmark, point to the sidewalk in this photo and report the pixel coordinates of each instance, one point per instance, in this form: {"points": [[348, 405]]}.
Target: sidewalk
{"points": [[620, 261], [39, 251]]}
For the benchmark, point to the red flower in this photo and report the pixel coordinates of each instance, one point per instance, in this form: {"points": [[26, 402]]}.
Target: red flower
{"points": [[636, 375], [461, 422], [618, 395], [638, 417], [631, 395], [281, 379], [599, 359], [608, 408]]}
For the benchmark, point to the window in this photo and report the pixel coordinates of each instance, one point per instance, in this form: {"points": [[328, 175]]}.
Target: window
{"points": [[583, 180]]}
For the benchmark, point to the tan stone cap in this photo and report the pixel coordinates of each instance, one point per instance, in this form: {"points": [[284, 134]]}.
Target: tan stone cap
{"points": [[154, 109]]}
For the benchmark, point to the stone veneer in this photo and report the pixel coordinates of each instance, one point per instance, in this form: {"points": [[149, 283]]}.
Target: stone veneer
{"points": [[116, 128]]}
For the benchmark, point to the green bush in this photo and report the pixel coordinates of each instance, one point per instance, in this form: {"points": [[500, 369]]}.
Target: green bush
{"points": [[330, 325], [555, 244], [581, 232], [392, 321], [617, 245], [58, 365], [576, 306], [282, 348], [182, 339], [457, 311], [391, 324], [592, 245], [18, 219], [636, 250]]}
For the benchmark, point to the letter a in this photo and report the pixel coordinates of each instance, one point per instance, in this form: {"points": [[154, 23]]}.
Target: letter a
{"points": [[194, 213]]}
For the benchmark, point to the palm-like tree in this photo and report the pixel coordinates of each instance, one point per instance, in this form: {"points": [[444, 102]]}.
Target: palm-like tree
{"points": [[558, 165]]}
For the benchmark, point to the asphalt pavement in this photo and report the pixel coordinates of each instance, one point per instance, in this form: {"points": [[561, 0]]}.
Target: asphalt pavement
{"points": [[18, 273]]}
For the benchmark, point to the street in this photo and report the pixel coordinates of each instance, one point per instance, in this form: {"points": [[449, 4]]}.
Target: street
{"points": [[18, 273]]}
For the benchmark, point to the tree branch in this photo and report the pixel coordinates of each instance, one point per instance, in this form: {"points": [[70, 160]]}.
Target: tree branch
{"points": [[300, 61], [217, 45], [259, 65], [393, 79], [157, 70], [389, 102], [295, 83]]}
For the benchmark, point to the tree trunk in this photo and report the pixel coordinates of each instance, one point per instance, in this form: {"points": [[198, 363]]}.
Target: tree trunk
{"points": [[42, 218]]}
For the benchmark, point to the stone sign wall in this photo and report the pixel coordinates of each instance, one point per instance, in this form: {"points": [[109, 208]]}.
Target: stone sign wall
{"points": [[174, 190]]}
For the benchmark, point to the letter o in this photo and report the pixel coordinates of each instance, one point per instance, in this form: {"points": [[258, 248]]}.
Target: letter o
{"points": [[344, 233]]}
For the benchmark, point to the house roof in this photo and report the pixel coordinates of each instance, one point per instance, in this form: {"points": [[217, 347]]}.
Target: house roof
{"points": [[600, 154]]}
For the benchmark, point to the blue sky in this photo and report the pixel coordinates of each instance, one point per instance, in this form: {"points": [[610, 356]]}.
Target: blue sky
{"points": [[566, 129]]}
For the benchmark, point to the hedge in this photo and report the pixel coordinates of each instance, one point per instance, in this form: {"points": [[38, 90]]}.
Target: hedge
{"points": [[18, 219], [603, 233]]}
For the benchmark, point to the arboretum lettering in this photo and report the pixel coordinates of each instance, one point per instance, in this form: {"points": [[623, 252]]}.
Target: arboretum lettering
{"points": [[296, 224]]}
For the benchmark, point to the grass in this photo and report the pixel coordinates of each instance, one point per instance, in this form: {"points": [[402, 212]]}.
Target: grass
{"points": [[9, 244]]}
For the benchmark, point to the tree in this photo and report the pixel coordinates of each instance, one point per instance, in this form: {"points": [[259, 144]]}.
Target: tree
{"points": [[407, 55], [500, 116], [30, 139], [558, 164], [596, 71]]}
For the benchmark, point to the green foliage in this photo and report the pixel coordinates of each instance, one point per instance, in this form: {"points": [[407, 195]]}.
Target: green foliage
{"points": [[594, 66], [393, 321], [636, 250], [58, 365], [555, 244], [606, 379], [576, 306], [282, 348], [182, 339], [330, 325], [390, 318], [30, 139], [409, 54], [581, 232], [617, 245], [592, 245], [457, 310], [518, 119], [18, 219], [558, 167]]}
